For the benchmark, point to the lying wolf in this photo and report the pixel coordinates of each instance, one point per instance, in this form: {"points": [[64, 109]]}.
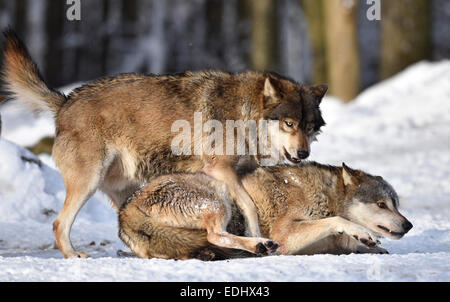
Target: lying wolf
{"points": [[307, 209], [116, 133]]}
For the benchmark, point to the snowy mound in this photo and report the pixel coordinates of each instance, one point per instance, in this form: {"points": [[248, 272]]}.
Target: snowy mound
{"points": [[416, 99], [399, 129], [31, 195], [29, 190]]}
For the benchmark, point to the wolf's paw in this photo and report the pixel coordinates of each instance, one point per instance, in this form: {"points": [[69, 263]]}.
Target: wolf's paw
{"points": [[378, 250], [205, 255], [363, 235], [373, 250], [124, 254], [75, 254], [266, 248]]}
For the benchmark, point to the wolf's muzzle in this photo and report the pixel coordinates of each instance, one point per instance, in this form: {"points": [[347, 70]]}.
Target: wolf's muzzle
{"points": [[407, 226], [302, 154]]}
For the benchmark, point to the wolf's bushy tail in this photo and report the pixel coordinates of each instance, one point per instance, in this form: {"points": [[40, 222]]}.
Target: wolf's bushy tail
{"points": [[22, 80]]}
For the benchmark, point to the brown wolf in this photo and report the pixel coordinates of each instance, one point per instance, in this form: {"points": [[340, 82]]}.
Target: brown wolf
{"points": [[307, 209], [114, 134]]}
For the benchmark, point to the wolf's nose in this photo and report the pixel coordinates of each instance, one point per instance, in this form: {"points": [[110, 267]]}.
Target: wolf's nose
{"points": [[302, 154], [407, 226]]}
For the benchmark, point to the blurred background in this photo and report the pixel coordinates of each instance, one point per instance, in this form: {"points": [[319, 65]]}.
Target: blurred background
{"points": [[304, 39], [311, 41]]}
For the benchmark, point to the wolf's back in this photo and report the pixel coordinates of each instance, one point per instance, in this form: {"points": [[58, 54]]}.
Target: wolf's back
{"points": [[22, 80]]}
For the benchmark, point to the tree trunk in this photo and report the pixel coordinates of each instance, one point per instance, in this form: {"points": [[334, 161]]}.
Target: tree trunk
{"points": [[405, 34], [20, 24], [56, 14], [264, 54], [214, 13], [0, 121], [342, 53], [91, 51], [314, 13]]}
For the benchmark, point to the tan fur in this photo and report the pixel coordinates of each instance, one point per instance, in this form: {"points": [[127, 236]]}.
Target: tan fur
{"points": [[115, 133], [176, 216], [304, 209], [27, 85]]}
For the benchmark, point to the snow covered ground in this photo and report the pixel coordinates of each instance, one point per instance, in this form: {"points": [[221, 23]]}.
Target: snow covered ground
{"points": [[399, 129]]}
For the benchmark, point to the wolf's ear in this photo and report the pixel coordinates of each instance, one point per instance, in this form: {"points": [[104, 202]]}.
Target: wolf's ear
{"points": [[319, 91], [349, 176], [271, 95]]}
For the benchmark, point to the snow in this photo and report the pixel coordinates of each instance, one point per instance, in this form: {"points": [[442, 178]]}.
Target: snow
{"points": [[26, 128], [399, 129]]}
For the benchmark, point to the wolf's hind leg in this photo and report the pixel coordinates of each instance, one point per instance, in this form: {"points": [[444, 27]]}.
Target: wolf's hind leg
{"points": [[158, 235], [79, 188], [131, 234], [82, 173], [215, 225], [175, 216]]}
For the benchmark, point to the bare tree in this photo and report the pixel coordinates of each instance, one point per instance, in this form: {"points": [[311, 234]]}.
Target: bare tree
{"points": [[55, 17], [316, 28], [264, 54], [405, 34], [342, 53]]}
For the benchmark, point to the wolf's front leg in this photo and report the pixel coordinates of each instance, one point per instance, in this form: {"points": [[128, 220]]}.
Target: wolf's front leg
{"points": [[223, 172], [294, 235], [349, 245]]}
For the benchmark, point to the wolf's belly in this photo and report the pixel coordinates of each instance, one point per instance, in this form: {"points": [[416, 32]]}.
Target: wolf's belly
{"points": [[153, 164]]}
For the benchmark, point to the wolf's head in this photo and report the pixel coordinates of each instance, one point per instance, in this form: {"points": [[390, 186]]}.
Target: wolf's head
{"points": [[372, 202], [297, 110]]}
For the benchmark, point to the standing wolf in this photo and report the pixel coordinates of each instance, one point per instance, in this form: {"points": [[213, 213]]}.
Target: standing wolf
{"points": [[307, 209], [114, 134]]}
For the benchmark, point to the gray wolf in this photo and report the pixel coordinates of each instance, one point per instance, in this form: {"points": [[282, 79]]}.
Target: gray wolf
{"points": [[306, 209], [114, 134]]}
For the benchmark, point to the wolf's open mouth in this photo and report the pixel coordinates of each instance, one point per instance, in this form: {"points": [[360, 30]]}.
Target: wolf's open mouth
{"points": [[291, 159], [389, 231]]}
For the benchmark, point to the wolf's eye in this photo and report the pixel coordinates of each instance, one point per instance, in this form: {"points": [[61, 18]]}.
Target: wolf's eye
{"points": [[290, 124], [381, 205]]}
